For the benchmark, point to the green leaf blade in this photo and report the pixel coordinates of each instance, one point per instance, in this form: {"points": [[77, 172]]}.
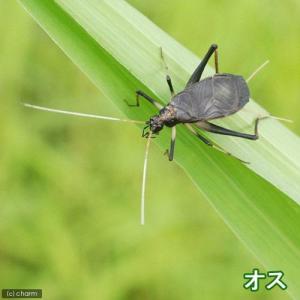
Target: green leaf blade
{"points": [[144, 62], [99, 37]]}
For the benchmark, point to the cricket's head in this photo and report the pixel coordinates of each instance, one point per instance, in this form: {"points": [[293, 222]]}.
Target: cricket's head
{"points": [[156, 124]]}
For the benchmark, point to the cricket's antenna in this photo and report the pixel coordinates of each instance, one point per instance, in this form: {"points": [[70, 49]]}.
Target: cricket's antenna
{"points": [[267, 116], [81, 114], [276, 118], [144, 179], [257, 70], [282, 119]]}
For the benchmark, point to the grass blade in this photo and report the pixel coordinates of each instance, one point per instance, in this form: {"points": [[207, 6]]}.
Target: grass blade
{"points": [[119, 50]]}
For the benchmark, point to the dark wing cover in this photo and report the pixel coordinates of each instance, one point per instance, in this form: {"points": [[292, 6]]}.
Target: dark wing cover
{"points": [[230, 94], [211, 98]]}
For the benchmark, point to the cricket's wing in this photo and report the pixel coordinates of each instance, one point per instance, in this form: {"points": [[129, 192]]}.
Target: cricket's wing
{"points": [[211, 98]]}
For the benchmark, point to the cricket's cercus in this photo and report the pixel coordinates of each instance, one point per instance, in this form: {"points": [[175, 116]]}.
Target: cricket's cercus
{"points": [[214, 97]]}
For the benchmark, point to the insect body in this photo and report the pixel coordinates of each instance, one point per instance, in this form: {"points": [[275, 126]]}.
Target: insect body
{"points": [[202, 100], [211, 98]]}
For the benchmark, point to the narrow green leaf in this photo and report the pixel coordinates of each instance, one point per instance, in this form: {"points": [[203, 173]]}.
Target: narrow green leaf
{"points": [[119, 50]]}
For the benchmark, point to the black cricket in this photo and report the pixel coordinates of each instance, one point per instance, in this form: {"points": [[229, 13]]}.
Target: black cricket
{"points": [[214, 97]]}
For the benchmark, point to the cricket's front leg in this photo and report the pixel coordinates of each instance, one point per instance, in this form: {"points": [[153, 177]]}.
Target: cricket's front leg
{"points": [[148, 98], [170, 152]]}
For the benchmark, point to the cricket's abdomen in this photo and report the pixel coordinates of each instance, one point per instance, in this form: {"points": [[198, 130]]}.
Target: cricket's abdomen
{"points": [[211, 98]]}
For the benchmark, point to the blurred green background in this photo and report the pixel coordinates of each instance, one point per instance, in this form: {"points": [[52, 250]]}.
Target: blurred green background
{"points": [[70, 187]]}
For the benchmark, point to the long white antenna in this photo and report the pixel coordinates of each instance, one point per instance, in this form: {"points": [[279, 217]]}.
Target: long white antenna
{"points": [[257, 70], [281, 119], [80, 114], [245, 109], [144, 179]]}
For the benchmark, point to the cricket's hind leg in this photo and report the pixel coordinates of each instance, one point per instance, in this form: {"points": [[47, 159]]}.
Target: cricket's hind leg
{"points": [[212, 144], [196, 76], [221, 130]]}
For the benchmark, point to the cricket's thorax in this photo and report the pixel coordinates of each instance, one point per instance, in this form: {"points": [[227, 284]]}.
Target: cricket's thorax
{"points": [[166, 117]]}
